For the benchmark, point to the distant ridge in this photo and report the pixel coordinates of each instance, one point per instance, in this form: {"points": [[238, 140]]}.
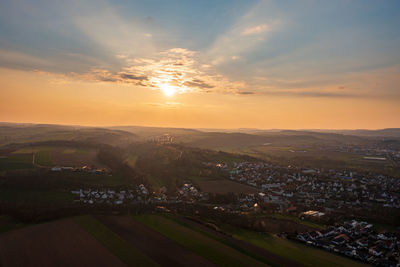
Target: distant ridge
{"points": [[386, 132]]}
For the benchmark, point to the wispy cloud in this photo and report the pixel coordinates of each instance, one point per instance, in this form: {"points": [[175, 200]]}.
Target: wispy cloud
{"points": [[245, 93], [107, 28], [313, 94], [244, 35], [21, 60], [255, 29]]}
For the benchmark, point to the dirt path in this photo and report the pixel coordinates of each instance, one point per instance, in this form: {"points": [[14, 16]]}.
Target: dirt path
{"points": [[59, 243], [161, 249]]}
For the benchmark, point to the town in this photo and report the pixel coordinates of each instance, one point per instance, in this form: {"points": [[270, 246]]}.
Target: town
{"points": [[329, 191], [358, 240]]}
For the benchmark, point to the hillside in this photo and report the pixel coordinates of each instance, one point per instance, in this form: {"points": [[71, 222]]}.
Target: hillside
{"points": [[24, 133]]}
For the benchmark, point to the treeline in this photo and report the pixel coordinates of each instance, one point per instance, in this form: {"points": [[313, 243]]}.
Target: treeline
{"points": [[53, 143]]}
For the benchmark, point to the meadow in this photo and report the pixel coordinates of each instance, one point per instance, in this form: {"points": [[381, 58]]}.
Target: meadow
{"points": [[16, 161]]}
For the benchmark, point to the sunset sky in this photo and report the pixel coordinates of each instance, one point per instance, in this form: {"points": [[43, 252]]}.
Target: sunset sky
{"points": [[214, 64]]}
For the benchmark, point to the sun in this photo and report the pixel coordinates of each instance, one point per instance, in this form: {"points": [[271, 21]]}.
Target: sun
{"points": [[167, 89]]}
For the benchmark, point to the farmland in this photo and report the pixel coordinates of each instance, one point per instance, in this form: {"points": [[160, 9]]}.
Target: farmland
{"points": [[152, 240], [297, 252], [163, 250], [47, 156], [118, 246], [209, 248], [16, 161], [59, 243]]}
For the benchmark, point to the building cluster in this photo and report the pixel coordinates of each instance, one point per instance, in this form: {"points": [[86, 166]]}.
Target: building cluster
{"points": [[357, 240], [189, 192], [372, 153], [162, 139], [111, 196], [85, 169], [318, 189]]}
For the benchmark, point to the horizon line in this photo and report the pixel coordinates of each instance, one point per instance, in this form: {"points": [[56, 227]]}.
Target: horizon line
{"points": [[203, 128]]}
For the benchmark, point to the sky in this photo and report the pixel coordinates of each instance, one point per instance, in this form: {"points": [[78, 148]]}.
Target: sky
{"points": [[212, 64]]}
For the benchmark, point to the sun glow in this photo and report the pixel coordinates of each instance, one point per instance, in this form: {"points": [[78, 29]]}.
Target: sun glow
{"points": [[167, 89]]}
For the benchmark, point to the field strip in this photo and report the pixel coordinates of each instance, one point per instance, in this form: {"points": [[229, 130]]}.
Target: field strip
{"points": [[57, 243], [114, 243], [240, 245], [209, 248], [161, 249], [291, 250]]}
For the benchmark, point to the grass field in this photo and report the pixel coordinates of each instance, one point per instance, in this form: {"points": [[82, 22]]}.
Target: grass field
{"points": [[75, 157], [44, 158], [209, 248], [43, 155], [298, 252], [267, 258], [61, 156], [29, 196], [114, 243], [16, 161]]}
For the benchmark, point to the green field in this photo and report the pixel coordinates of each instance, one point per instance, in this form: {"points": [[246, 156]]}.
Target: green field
{"points": [[298, 252], [217, 249], [114, 243], [207, 247], [43, 158], [16, 161], [43, 155], [31, 196]]}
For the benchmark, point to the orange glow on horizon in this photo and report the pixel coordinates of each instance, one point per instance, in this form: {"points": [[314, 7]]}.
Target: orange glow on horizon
{"points": [[34, 97]]}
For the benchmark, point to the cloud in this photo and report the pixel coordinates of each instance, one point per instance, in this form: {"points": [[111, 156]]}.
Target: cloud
{"points": [[255, 29], [246, 34], [313, 94], [21, 60], [132, 77], [179, 68], [107, 28], [245, 93], [197, 83]]}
